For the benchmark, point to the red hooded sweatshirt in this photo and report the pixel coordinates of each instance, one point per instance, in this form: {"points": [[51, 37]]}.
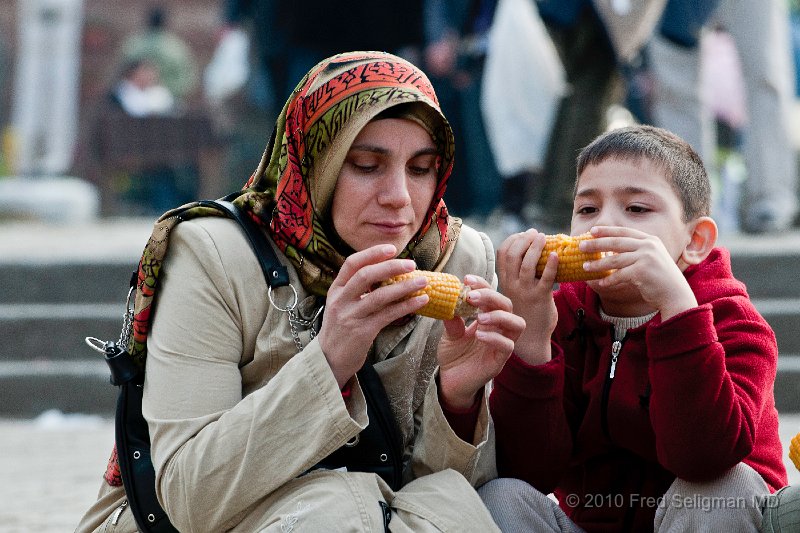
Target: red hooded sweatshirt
{"points": [[690, 397]]}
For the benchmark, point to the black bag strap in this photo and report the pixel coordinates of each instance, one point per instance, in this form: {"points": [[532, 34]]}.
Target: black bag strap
{"points": [[275, 273]]}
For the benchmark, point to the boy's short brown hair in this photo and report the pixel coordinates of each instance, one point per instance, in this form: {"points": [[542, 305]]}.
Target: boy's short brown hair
{"points": [[662, 148]]}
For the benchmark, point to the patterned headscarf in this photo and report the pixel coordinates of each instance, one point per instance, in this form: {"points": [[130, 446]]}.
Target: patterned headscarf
{"points": [[292, 189]]}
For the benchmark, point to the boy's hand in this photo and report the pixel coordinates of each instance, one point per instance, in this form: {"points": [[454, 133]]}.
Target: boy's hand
{"points": [[641, 263], [532, 297]]}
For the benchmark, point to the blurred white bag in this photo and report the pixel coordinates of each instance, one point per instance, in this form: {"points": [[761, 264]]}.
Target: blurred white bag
{"points": [[229, 67], [523, 82]]}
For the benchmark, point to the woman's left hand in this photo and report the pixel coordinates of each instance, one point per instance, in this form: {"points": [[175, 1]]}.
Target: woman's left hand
{"points": [[470, 356]]}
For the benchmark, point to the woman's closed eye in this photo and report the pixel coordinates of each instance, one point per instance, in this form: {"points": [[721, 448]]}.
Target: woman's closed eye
{"points": [[364, 165], [422, 166]]}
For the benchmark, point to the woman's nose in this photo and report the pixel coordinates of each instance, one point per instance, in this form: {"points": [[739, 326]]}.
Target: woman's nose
{"points": [[395, 190]]}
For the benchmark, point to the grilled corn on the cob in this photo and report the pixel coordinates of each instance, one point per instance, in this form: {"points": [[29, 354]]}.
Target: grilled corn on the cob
{"points": [[570, 258], [447, 296]]}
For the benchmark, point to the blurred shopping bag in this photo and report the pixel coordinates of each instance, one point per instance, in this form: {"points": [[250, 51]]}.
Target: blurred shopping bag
{"points": [[629, 23], [229, 67], [523, 82]]}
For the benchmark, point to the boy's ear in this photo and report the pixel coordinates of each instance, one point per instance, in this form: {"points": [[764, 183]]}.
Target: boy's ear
{"points": [[703, 238]]}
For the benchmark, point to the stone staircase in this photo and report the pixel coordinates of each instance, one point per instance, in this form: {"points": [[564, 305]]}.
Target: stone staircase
{"points": [[60, 284]]}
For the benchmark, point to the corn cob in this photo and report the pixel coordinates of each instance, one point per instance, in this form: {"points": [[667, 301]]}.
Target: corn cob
{"points": [[570, 258], [794, 451], [447, 296]]}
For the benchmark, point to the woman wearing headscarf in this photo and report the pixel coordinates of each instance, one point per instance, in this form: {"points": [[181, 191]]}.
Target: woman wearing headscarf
{"points": [[246, 395]]}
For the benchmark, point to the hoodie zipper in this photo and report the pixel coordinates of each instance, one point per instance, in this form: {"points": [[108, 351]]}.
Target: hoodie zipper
{"points": [[616, 348]]}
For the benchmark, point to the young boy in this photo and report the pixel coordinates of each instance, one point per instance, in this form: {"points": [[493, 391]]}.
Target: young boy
{"points": [[651, 405]]}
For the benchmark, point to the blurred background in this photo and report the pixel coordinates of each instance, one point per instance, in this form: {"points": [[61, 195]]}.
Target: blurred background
{"points": [[112, 112]]}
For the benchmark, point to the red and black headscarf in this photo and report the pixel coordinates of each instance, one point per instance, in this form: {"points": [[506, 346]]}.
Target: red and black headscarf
{"points": [[292, 189]]}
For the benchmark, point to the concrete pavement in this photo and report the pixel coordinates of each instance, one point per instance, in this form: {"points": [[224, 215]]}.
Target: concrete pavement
{"points": [[51, 468]]}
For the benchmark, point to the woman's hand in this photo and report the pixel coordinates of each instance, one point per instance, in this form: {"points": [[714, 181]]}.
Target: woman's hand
{"points": [[532, 297], [470, 356], [356, 311]]}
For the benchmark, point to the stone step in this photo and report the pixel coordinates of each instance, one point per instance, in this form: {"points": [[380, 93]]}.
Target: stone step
{"points": [[783, 314], [31, 387], [765, 263], [787, 384], [63, 282], [769, 276], [56, 332], [44, 263], [94, 282]]}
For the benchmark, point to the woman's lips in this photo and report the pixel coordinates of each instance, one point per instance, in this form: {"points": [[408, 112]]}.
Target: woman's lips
{"points": [[390, 227]]}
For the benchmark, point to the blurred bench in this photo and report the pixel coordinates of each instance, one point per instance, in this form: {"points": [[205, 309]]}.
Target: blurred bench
{"points": [[122, 144]]}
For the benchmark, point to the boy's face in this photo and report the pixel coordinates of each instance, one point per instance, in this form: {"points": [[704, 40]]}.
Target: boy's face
{"points": [[633, 194]]}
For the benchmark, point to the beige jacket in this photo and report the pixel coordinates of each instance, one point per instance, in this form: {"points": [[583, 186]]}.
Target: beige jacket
{"points": [[236, 413]]}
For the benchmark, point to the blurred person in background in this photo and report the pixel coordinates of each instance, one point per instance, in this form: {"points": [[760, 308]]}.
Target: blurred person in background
{"points": [[268, 44], [289, 37], [761, 33], [140, 93], [154, 186], [522, 87], [177, 68]]}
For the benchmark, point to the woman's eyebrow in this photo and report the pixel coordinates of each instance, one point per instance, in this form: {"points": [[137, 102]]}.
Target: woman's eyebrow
{"points": [[382, 150], [369, 148]]}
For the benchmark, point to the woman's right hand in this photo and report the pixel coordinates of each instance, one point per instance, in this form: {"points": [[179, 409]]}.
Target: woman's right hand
{"points": [[356, 311]]}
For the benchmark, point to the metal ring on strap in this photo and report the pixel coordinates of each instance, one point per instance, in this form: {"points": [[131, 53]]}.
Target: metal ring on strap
{"points": [[289, 307]]}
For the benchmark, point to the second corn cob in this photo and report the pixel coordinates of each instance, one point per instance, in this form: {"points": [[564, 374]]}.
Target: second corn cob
{"points": [[447, 296], [794, 451], [570, 258]]}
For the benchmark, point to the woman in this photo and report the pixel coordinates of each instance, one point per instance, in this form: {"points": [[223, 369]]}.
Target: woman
{"points": [[244, 399]]}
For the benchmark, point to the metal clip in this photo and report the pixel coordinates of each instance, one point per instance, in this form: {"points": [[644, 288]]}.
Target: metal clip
{"points": [[119, 361]]}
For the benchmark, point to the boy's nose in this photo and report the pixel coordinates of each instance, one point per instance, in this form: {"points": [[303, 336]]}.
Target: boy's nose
{"points": [[607, 217]]}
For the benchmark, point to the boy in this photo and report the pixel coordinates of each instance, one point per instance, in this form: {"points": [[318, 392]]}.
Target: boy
{"points": [[651, 406]]}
